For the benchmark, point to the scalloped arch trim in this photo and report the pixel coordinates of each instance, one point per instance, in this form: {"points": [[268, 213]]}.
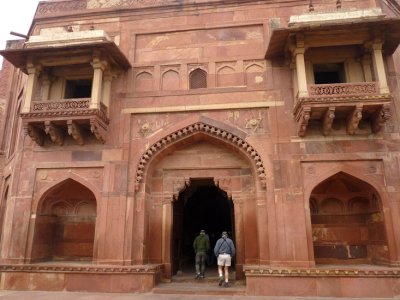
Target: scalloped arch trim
{"points": [[210, 130]]}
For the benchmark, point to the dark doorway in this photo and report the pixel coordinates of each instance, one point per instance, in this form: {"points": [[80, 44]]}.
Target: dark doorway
{"points": [[202, 205]]}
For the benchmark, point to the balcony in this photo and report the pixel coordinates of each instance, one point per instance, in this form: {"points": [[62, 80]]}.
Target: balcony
{"points": [[68, 116], [339, 75], [348, 101], [69, 84]]}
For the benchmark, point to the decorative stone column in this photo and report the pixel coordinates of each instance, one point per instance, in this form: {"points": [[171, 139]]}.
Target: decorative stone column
{"points": [[379, 67], [98, 67], [366, 64], [167, 233], [301, 72], [46, 82], [105, 97], [33, 74]]}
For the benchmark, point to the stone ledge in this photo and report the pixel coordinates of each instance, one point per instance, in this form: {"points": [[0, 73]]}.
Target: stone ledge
{"points": [[257, 271], [43, 268]]}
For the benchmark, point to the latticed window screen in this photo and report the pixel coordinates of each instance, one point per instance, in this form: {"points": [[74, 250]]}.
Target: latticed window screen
{"points": [[198, 79]]}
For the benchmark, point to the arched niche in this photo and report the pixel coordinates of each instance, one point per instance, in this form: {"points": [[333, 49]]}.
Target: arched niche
{"points": [[227, 76], [170, 81], [255, 75], [349, 226], [65, 221], [198, 79], [144, 82]]}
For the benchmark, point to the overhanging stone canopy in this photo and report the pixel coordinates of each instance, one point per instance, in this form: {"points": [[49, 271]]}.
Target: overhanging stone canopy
{"points": [[212, 130]]}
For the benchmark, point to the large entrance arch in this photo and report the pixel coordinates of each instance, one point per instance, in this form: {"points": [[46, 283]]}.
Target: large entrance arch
{"points": [[64, 226], [201, 205], [348, 223], [205, 154]]}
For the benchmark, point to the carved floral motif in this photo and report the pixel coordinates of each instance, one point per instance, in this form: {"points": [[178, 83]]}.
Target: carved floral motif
{"points": [[362, 88], [67, 104]]}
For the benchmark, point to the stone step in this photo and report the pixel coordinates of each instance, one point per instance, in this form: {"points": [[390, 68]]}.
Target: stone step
{"points": [[201, 287]]}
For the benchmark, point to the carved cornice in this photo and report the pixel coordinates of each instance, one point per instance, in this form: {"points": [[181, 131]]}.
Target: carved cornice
{"points": [[341, 100], [95, 269], [207, 129], [68, 6], [258, 271]]}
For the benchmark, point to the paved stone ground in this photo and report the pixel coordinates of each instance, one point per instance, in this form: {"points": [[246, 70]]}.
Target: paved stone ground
{"points": [[12, 295]]}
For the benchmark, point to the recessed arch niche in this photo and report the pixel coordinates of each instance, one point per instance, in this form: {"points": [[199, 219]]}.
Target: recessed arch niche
{"points": [[64, 228], [348, 224]]}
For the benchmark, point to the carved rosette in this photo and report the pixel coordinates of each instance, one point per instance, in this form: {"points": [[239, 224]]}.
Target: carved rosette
{"points": [[205, 128]]}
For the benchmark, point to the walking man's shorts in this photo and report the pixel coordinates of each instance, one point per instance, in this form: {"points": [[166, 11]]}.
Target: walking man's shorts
{"points": [[224, 260]]}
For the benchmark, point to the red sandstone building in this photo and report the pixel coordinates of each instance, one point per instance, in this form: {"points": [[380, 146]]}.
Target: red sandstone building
{"points": [[129, 125]]}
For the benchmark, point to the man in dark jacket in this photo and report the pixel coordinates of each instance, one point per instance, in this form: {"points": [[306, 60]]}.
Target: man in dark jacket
{"points": [[201, 246], [224, 250]]}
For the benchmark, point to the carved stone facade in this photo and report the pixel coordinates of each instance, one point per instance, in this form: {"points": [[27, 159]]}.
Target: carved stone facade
{"points": [[126, 126]]}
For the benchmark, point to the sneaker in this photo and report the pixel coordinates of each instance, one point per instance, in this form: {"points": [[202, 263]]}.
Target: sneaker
{"points": [[221, 280], [201, 276], [197, 276], [226, 284]]}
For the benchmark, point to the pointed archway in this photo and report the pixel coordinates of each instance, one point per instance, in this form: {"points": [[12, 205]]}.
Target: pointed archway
{"points": [[201, 205], [196, 156], [348, 224], [65, 223]]}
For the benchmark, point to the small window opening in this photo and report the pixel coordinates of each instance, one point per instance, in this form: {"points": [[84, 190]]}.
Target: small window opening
{"points": [[329, 73], [78, 89], [198, 79]]}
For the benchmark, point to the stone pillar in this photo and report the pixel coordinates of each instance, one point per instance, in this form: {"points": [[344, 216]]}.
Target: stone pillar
{"points": [[167, 234], [33, 74], [366, 65], [301, 72], [98, 67], [379, 67], [46, 81], [105, 97]]}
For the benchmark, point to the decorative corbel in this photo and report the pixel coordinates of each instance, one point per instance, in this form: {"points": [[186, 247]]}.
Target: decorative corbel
{"points": [[74, 130], [36, 134], [303, 121], [55, 133], [224, 183], [380, 118], [178, 185], [328, 120], [354, 119], [98, 130], [338, 4]]}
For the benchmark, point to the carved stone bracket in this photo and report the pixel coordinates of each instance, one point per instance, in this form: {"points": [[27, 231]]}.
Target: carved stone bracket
{"points": [[55, 133], [179, 185], [381, 117], [98, 130], [37, 135], [353, 119], [224, 183], [207, 129], [75, 131], [303, 121], [328, 120]]}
